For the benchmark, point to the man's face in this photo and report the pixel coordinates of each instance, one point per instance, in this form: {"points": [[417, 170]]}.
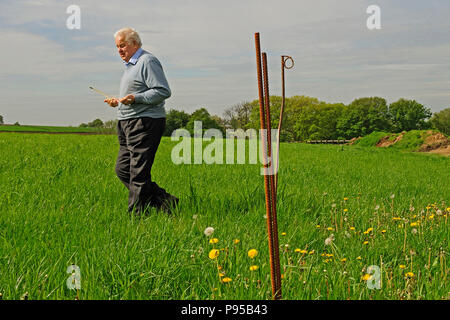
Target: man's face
{"points": [[126, 50]]}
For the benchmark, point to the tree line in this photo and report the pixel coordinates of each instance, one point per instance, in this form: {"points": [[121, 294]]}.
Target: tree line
{"points": [[307, 118]]}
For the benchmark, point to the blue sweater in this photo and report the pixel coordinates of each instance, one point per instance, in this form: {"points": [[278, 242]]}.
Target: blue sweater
{"points": [[144, 77]]}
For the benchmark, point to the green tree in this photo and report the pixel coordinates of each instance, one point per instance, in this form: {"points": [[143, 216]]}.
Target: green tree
{"points": [[238, 116], [294, 106], [110, 124], [1, 119], [97, 123], [318, 121], [175, 120], [409, 115], [207, 121], [362, 117], [441, 121]]}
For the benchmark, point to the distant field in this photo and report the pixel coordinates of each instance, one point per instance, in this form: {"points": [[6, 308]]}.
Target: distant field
{"points": [[49, 129], [61, 204]]}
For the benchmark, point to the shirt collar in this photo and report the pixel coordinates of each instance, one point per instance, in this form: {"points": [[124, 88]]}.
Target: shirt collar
{"points": [[133, 60]]}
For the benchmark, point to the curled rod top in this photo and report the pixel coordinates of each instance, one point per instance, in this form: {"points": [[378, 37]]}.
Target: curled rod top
{"points": [[285, 59]]}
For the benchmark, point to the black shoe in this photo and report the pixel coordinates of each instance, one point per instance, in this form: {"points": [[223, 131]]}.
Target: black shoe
{"points": [[169, 204]]}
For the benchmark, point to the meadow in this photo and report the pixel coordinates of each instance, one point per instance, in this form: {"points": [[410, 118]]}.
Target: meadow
{"points": [[45, 129], [341, 209]]}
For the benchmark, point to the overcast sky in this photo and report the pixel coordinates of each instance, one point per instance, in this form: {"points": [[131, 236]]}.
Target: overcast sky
{"points": [[207, 50]]}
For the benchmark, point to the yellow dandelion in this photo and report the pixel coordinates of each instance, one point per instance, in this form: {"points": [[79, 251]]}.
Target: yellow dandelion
{"points": [[409, 275], [383, 231], [221, 274], [352, 228], [297, 250], [312, 252], [214, 253], [330, 229], [318, 226], [358, 258], [252, 253], [402, 266], [213, 240], [303, 251], [343, 259], [236, 241], [431, 216], [226, 280], [329, 255], [396, 218], [345, 199], [414, 224], [366, 242], [283, 233], [253, 268], [345, 210], [366, 277]]}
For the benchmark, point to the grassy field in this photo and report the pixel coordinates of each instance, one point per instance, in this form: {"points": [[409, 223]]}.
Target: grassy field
{"points": [[49, 129], [61, 204]]}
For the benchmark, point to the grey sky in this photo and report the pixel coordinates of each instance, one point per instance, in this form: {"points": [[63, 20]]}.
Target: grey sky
{"points": [[207, 50]]}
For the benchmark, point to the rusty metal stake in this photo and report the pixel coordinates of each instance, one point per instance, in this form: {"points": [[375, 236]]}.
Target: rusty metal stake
{"points": [[269, 187], [284, 59]]}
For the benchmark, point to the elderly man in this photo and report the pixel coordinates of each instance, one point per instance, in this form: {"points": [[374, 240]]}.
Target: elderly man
{"points": [[141, 116]]}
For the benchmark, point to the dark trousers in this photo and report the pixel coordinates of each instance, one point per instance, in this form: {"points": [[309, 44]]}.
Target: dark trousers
{"points": [[139, 139]]}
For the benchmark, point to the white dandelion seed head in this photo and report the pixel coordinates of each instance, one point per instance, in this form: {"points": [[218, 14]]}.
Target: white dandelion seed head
{"points": [[439, 212], [392, 196], [414, 231], [411, 208], [209, 231], [329, 240], [333, 205], [194, 217], [377, 207]]}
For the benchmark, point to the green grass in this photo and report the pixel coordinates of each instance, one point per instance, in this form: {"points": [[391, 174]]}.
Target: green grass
{"points": [[372, 139], [61, 204], [411, 140], [49, 129]]}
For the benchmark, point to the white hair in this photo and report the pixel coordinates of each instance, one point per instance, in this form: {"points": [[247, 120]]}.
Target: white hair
{"points": [[130, 35]]}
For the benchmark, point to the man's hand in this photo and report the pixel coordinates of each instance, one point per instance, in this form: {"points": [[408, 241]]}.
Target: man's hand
{"points": [[113, 102], [129, 99]]}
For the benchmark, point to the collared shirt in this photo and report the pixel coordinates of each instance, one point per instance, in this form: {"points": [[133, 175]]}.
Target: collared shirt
{"points": [[134, 58]]}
